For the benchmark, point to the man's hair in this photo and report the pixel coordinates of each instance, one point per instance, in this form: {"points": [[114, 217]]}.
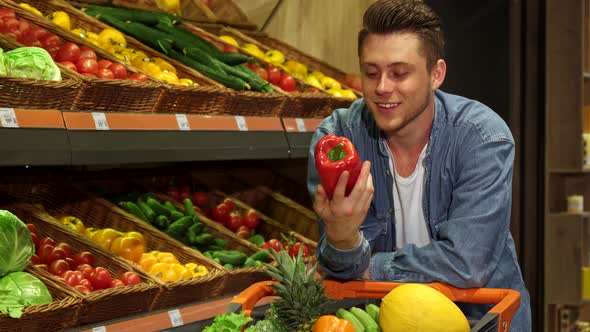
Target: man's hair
{"points": [[405, 16]]}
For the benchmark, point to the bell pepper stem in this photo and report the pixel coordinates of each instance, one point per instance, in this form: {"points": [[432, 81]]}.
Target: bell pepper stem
{"points": [[337, 153]]}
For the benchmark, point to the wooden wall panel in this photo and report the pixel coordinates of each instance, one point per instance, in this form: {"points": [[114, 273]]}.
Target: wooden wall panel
{"points": [[326, 29]]}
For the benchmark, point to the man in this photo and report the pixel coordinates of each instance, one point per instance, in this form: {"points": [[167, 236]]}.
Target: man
{"points": [[432, 202]]}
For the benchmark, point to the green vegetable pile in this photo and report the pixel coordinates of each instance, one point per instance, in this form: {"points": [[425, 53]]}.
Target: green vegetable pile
{"points": [[184, 225], [18, 290], [29, 62]]}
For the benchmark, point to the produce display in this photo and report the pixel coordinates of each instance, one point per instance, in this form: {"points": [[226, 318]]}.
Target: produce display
{"points": [[79, 58], [131, 246], [185, 226]]}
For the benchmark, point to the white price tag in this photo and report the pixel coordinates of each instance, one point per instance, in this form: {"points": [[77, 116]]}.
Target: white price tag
{"points": [[99, 329], [175, 317], [100, 121], [241, 121], [8, 118], [182, 122], [300, 125]]}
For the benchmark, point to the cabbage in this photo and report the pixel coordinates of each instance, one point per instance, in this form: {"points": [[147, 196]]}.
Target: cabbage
{"points": [[31, 62], [16, 244], [3, 71], [19, 290]]}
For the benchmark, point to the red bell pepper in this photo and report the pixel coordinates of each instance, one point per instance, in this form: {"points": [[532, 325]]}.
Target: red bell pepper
{"points": [[334, 155]]}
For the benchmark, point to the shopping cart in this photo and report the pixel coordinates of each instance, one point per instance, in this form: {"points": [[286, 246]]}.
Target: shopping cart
{"points": [[505, 301]]}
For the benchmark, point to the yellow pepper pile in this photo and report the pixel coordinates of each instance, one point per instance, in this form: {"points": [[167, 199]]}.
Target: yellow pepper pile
{"points": [[165, 267]]}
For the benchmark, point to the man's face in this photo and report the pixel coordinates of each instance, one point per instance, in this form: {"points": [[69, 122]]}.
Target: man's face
{"points": [[397, 86]]}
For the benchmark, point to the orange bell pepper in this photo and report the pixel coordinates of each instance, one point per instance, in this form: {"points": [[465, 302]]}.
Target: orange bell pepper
{"points": [[147, 261], [130, 248], [167, 257], [331, 323]]}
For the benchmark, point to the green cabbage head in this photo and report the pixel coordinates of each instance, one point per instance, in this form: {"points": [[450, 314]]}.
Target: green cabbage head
{"points": [[16, 244], [19, 290], [31, 62]]}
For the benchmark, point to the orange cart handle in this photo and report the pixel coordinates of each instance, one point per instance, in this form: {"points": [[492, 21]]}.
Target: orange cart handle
{"points": [[506, 301]]}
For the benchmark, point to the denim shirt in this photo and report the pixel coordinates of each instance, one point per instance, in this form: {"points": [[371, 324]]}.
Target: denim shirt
{"points": [[466, 204]]}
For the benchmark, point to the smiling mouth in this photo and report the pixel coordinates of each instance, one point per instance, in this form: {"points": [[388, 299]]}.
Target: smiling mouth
{"points": [[387, 106]]}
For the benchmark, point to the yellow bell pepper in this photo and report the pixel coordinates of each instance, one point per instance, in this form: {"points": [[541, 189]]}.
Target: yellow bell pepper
{"points": [[74, 224], [187, 82], [30, 8], [61, 18], [182, 272], [128, 247], [168, 77], [196, 270], [89, 231], [110, 36], [105, 237], [169, 6], [165, 65], [136, 235], [147, 261], [154, 253], [167, 257], [164, 272]]}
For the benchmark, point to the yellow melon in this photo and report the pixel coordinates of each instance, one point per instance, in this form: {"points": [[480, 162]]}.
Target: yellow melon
{"points": [[417, 307]]}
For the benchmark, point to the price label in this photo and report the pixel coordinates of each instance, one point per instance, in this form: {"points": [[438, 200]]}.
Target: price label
{"points": [[99, 329], [175, 317], [100, 121], [182, 122], [8, 118], [241, 121], [300, 125]]}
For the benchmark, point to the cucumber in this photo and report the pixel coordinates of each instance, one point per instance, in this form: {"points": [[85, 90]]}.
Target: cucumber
{"points": [[232, 257], [189, 208], [158, 208], [152, 37], [134, 210], [147, 211], [175, 215], [364, 318], [170, 206], [263, 255], [347, 315], [135, 15], [186, 39]]}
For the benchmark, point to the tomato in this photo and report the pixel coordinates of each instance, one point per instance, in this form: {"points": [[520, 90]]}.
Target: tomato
{"points": [[101, 278], [66, 248], [6, 12], [44, 253], [117, 283], [57, 253], [29, 40], [251, 219], [105, 73], [35, 259], [32, 228], [287, 83], [230, 48], [243, 232], [87, 52], [220, 213], [35, 239], [37, 32], [71, 263], [130, 278], [262, 73], [200, 198], [84, 257], [273, 244], [230, 204], [58, 267], [50, 40], [139, 77], [184, 195], [88, 75], [86, 270], [70, 65], [83, 289], [119, 71], [86, 283], [104, 63], [68, 52], [87, 65], [294, 249], [234, 221], [274, 74], [72, 278], [47, 240], [11, 25], [172, 191], [23, 25]]}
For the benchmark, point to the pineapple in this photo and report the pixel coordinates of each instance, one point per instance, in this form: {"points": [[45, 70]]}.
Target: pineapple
{"points": [[302, 298]]}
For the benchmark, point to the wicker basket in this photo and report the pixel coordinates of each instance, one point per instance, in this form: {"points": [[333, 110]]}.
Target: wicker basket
{"points": [[106, 95], [38, 94], [207, 98], [60, 314], [99, 305]]}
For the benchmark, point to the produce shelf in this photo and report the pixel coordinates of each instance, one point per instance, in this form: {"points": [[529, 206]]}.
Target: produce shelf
{"points": [[299, 132]]}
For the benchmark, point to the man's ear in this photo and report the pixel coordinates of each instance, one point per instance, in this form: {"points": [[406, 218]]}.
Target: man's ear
{"points": [[439, 71]]}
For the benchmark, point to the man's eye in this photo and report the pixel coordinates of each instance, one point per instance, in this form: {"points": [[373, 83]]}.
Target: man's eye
{"points": [[400, 74], [371, 74]]}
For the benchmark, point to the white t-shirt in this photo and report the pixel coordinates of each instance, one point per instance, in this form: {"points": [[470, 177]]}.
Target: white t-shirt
{"points": [[410, 226]]}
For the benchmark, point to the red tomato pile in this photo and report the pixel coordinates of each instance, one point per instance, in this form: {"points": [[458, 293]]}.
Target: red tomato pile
{"points": [[224, 212], [277, 76], [76, 270], [81, 59], [289, 245]]}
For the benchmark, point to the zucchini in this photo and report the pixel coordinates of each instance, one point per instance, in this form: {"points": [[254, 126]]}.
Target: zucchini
{"points": [[142, 16], [221, 77]]}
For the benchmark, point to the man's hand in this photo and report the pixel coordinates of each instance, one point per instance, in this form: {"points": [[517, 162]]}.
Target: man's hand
{"points": [[343, 216]]}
